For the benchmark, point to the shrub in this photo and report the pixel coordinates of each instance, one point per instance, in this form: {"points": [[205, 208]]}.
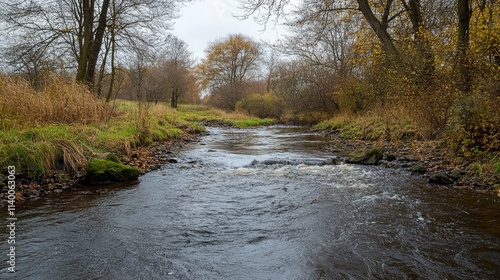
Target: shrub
{"points": [[476, 127], [263, 106]]}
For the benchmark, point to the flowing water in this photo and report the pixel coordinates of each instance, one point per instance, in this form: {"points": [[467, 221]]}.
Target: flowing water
{"points": [[264, 203]]}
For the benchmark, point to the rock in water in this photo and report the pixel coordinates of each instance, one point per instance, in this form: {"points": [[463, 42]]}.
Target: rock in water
{"points": [[367, 156], [101, 171], [441, 179]]}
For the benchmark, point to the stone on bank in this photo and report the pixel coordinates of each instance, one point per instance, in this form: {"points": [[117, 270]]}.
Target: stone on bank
{"points": [[365, 156], [103, 171]]}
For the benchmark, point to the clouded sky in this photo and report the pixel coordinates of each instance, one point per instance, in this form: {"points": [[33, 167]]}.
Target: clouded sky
{"points": [[202, 22]]}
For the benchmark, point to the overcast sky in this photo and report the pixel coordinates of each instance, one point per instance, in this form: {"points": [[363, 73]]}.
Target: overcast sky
{"points": [[205, 21]]}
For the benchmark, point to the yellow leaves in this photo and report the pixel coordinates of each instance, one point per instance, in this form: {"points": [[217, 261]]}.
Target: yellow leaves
{"points": [[228, 61], [485, 29]]}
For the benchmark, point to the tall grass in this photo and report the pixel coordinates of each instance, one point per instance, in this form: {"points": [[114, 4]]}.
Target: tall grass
{"points": [[63, 124], [392, 124], [59, 101]]}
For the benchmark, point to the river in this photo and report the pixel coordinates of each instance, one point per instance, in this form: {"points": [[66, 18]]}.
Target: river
{"points": [[263, 203]]}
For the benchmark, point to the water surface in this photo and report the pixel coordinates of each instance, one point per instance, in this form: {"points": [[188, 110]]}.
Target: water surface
{"points": [[263, 203]]}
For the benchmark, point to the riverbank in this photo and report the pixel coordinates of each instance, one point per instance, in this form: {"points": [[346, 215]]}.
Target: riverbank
{"points": [[54, 158], [432, 159], [429, 159]]}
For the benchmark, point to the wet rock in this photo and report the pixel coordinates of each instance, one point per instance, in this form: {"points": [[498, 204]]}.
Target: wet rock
{"points": [[409, 158], [454, 176], [366, 156], [277, 162], [391, 157], [105, 171], [417, 168], [332, 161], [29, 193], [441, 179]]}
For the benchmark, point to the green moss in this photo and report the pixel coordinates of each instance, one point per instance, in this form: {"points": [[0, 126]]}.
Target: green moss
{"points": [[365, 156], [102, 171]]}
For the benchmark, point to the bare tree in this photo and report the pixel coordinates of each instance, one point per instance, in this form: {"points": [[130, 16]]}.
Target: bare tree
{"points": [[378, 14], [177, 66], [77, 29]]}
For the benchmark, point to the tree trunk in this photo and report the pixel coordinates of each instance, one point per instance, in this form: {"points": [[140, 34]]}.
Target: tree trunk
{"points": [[97, 43], [464, 15], [102, 69], [88, 18], [379, 28], [426, 65], [113, 51], [172, 99]]}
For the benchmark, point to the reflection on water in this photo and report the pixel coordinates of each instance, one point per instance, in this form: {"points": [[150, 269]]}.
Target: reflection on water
{"points": [[261, 204]]}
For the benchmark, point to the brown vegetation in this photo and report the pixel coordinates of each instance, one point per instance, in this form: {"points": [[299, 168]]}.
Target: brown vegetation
{"points": [[59, 101]]}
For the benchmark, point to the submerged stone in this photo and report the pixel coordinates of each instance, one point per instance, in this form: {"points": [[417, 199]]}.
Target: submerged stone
{"points": [[367, 156], [101, 171]]}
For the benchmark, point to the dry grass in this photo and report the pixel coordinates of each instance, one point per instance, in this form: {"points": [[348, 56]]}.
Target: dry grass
{"points": [[392, 124], [62, 125], [60, 101]]}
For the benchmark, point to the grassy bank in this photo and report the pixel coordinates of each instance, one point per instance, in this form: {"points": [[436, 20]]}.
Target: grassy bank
{"points": [[204, 114], [43, 147], [373, 127], [399, 128], [64, 125]]}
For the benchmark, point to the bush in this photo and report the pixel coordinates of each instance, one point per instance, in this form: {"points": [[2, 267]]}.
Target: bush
{"points": [[476, 127], [262, 106]]}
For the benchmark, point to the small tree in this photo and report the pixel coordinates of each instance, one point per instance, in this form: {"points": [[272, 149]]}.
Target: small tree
{"points": [[176, 68], [230, 64]]}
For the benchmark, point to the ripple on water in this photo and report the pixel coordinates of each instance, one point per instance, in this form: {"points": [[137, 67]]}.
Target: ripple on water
{"points": [[274, 209]]}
